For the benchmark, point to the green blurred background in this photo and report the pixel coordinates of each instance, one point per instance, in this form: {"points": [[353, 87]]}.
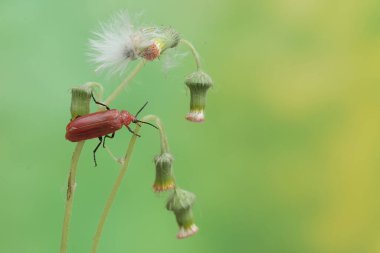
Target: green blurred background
{"points": [[287, 160]]}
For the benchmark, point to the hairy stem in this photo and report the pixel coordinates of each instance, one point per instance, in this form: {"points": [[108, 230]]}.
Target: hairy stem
{"points": [[194, 51], [163, 138], [70, 195], [93, 85], [124, 83], [112, 155], [114, 191], [76, 155], [123, 169]]}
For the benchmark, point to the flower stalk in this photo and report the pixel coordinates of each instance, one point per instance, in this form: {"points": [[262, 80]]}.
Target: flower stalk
{"points": [[164, 180], [119, 179], [114, 191], [194, 52], [70, 195], [124, 83]]}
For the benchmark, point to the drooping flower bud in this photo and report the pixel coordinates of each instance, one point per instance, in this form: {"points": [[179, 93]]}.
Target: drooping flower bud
{"points": [[80, 101], [181, 202], [158, 39], [198, 82], [164, 174]]}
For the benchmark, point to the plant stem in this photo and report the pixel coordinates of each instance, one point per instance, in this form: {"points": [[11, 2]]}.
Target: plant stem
{"points": [[76, 155], [96, 85], [70, 195], [194, 51], [114, 191], [123, 169], [112, 155], [124, 83], [164, 139]]}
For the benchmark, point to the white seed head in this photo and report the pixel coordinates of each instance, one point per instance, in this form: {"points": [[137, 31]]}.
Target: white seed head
{"points": [[114, 45], [118, 42]]}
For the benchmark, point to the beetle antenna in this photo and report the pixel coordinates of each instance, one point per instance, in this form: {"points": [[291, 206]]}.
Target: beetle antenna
{"points": [[147, 123], [141, 109], [139, 121]]}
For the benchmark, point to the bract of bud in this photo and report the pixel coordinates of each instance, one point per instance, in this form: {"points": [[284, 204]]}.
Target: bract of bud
{"points": [[157, 40], [164, 174], [80, 101], [198, 82], [181, 202]]}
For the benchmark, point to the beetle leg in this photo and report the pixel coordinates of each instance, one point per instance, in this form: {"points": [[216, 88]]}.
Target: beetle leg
{"points": [[130, 130], [96, 102], [108, 136], [97, 146]]}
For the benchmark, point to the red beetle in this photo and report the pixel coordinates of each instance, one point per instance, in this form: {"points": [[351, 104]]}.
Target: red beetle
{"points": [[99, 124]]}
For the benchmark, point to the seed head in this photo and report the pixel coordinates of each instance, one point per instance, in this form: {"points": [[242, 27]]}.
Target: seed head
{"points": [[198, 82], [164, 174], [118, 42], [181, 202]]}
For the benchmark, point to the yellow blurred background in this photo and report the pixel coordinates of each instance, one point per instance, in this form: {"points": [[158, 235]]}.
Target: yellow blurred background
{"points": [[286, 161]]}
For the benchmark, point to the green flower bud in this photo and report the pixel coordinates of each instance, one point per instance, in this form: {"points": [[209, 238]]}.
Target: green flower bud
{"points": [[80, 101], [181, 202], [164, 174], [157, 40], [198, 83]]}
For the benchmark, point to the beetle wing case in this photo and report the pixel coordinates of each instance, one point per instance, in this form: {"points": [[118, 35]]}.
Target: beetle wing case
{"points": [[93, 125]]}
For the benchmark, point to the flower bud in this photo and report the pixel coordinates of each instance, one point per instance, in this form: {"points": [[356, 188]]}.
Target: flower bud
{"points": [[158, 40], [181, 202], [80, 101], [164, 174], [198, 83]]}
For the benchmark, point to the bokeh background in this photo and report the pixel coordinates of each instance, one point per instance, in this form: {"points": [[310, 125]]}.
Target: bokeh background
{"points": [[287, 160]]}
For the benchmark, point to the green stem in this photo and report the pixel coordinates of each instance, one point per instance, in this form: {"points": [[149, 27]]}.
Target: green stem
{"points": [[93, 85], [163, 138], [123, 169], [70, 195], [123, 84], [76, 155], [194, 51], [112, 155], [114, 191]]}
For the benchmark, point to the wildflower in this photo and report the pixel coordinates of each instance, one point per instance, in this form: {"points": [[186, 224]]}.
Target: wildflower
{"points": [[164, 175], [181, 202], [198, 83], [80, 101], [118, 42]]}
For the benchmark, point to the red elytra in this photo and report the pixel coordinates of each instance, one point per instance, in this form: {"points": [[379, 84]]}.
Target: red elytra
{"points": [[98, 124]]}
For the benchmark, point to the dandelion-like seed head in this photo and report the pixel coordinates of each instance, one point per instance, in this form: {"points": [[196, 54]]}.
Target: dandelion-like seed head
{"points": [[114, 44], [119, 42]]}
